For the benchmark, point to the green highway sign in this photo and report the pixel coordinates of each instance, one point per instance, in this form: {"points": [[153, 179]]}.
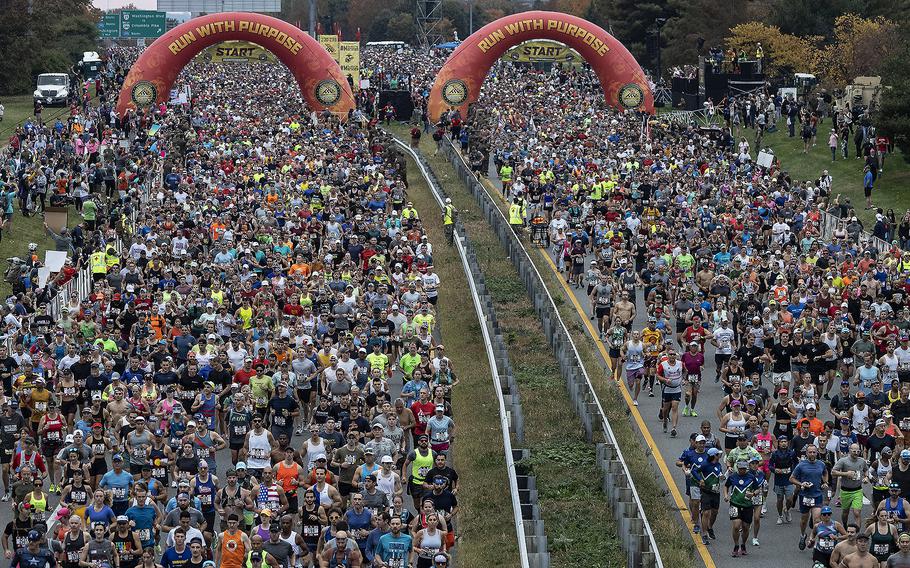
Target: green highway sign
{"points": [[109, 26], [142, 23]]}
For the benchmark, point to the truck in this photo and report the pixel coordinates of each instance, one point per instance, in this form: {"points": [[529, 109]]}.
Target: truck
{"points": [[52, 89], [90, 65]]}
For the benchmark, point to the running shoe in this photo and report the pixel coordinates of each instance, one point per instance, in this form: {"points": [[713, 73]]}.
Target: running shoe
{"points": [[711, 534], [755, 542], [802, 542], [673, 433], [685, 411], [780, 519], [696, 529], [5, 497], [634, 403], [735, 553], [693, 413], [704, 540], [787, 516]]}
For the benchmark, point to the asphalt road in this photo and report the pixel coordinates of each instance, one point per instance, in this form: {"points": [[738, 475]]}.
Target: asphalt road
{"points": [[778, 543]]}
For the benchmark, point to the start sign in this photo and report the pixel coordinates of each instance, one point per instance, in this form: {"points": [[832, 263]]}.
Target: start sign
{"points": [[543, 51], [238, 51]]}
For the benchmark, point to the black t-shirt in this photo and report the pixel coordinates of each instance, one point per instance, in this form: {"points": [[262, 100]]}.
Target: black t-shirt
{"points": [[875, 444], [10, 426], [747, 354], [7, 367], [445, 501], [282, 407], [444, 471], [782, 355], [816, 350]]}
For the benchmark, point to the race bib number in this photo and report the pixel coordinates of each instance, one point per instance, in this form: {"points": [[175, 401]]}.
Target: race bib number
{"points": [[808, 501], [734, 512], [422, 471], [280, 420], [881, 549], [310, 531], [40, 406], [826, 544], [848, 360], [159, 472], [240, 430], [205, 498], [119, 493], [905, 424], [53, 436], [440, 436], [145, 535], [73, 556], [258, 453], [694, 378]]}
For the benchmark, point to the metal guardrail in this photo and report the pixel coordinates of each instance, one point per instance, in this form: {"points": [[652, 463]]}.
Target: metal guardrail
{"points": [[635, 532], [488, 346], [830, 222]]}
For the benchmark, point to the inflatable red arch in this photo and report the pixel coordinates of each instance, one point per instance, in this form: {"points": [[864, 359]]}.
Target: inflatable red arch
{"points": [[321, 81], [458, 82]]}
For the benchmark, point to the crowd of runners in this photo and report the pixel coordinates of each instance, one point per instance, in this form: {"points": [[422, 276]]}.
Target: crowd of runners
{"points": [[700, 266], [256, 377]]}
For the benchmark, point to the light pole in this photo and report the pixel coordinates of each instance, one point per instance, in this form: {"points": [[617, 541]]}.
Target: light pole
{"points": [[470, 17], [659, 23]]}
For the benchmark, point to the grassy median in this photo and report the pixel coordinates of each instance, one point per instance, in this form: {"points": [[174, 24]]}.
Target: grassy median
{"points": [[675, 545], [577, 517], [486, 526]]}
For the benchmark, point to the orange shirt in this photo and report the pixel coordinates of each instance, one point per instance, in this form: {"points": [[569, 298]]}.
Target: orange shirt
{"points": [[233, 551], [286, 474]]}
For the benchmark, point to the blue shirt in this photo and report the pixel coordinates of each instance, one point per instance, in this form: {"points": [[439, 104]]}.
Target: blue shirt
{"points": [[144, 517], [173, 559], [392, 548], [867, 180], [118, 483], [812, 472]]}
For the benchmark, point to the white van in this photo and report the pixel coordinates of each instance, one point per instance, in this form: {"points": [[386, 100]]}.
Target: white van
{"points": [[52, 88]]}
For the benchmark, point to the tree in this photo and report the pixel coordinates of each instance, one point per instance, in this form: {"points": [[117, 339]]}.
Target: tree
{"points": [[892, 118], [37, 40], [786, 54], [859, 47], [630, 21]]}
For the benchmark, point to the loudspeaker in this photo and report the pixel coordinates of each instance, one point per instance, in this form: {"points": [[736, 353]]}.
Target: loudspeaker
{"points": [[401, 100], [691, 101]]}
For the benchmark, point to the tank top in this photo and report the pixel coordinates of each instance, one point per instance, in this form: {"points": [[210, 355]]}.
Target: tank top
{"points": [[861, 419], [202, 445], [825, 537], [205, 490], [268, 498], [40, 506], [313, 450], [421, 465], [867, 375], [159, 462], [208, 408], [737, 425], [324, 497], [763, 443], [310, 525], [129, 556], [233, 550], [72, 548], [882, 469], [635, 356], [286, 474], [831, 342], [80, 497], [53, 433], [260, 449], [386, 484], [674, 374], [292, 540], [781, 415], [889, 368], [896, 511], [430, 544], [902, 478], [881, 545]]}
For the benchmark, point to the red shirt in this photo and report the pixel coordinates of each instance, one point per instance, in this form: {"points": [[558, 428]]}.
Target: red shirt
{"points": [[21, 459], [242, 377], [422, 413]]}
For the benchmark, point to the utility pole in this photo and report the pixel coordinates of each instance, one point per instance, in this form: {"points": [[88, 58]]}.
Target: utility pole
{"points": [[312, 28], [660, 23]]}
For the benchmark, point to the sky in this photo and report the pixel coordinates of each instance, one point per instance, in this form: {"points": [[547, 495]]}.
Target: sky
{"points": [[141, 4]]}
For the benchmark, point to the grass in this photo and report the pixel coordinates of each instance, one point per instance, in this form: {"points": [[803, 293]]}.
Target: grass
{"points": [[19, 108], [847, 175], [486, 533], [576, 515], [536, 377]]}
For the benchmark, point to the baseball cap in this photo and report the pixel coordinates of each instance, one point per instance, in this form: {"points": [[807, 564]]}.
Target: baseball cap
{"points": [[826, 510], [123, 519], [905, 454], [811, 406], [742, 465], [440, 558], [713, 452], [386, 459], [240, 465], [118, 457], [34, 536], [887, 450], [700, 438], [319, 457]]}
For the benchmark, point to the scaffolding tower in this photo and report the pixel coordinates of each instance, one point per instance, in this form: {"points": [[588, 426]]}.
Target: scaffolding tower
{"points": [[429, 13]]}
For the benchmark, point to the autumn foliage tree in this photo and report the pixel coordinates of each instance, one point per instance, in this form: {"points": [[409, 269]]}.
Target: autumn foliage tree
{"points": [[785, 53], [860, 46]]}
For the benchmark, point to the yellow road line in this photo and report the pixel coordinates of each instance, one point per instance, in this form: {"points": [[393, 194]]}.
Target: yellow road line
{"points": [[649, 439], [627, 396]]}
